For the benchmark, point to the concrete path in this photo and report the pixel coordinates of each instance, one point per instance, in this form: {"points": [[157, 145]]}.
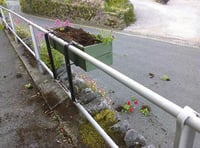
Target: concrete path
{"points": [[23, 122]]}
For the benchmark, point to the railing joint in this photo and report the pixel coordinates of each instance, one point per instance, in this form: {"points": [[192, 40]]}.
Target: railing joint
{"points": [[184, 134]]}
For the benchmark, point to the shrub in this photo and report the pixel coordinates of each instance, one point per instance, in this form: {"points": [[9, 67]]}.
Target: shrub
{"points": [[124, 7], [162, 1], [2, 2], [22, 32]]}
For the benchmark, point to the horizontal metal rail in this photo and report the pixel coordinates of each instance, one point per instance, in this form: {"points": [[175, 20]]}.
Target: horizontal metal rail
{"points": [[153, 97], [168, 106]]}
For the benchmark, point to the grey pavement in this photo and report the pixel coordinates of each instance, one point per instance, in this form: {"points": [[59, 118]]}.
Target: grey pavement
{"points": [[23, 122], [137, 57]]}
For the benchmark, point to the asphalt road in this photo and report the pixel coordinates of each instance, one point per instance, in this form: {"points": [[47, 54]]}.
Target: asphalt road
{"points": [[136, 57]]}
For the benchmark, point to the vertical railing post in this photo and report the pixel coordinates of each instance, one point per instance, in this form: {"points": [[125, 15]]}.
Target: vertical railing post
{"points": [[35, 46], [184, 134], [12, 24]]}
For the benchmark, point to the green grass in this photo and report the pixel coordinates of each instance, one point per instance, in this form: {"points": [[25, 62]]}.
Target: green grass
{"points": [[57, 57]]}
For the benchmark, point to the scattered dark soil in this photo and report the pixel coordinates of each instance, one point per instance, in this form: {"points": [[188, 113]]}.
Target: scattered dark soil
{"points": [[25, 120], [151, 75], [51, 99], [67, 111], [78, 35], [18, 75], [119, 108]]}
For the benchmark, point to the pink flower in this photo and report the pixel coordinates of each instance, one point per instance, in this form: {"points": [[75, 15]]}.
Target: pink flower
{"points": [[66, 23], [129, 102], [40, 36], [136, 102], [17, 21], [131, 110], [57, 23]]}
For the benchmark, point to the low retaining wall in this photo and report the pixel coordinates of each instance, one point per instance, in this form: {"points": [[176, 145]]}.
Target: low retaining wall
{"points": [[80, 12]]}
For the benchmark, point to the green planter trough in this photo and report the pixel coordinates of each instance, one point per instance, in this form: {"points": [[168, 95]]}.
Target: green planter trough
{"points": [[100, 51]]}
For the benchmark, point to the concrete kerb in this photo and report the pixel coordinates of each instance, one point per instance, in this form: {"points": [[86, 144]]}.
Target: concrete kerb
{"points": [[46, 85]]}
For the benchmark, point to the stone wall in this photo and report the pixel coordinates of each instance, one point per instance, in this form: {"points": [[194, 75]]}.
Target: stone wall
{"points": [[83, 12]]}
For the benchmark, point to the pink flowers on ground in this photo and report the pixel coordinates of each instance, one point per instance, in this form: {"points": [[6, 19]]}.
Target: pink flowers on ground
{"points": [[130, 107], [135, 102]]}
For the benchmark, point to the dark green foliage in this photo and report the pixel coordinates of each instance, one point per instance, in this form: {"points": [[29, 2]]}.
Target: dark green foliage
{"points": [[129, 16], [162, 1]]}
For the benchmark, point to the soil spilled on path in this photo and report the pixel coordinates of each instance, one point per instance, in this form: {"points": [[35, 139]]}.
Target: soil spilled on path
{"points": [[25, 120]]}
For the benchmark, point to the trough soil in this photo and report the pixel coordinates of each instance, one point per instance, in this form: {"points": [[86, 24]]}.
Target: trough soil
{"points": [[78, 35]]}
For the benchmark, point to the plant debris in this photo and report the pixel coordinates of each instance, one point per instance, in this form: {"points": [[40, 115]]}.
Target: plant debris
{"points": [[28, 86], [165, 78], [151, 75]]}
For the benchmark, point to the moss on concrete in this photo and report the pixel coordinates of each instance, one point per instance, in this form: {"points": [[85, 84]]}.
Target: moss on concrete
{"points": [[90, 137]]}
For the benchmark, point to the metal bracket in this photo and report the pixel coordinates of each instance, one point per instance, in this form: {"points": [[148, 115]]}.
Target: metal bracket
{"points": [[50, 55], [184, 134], [69, 73]]}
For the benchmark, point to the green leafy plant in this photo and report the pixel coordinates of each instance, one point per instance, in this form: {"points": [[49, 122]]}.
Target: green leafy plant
{"points": [[145, 110], [105, 36], [57, 56], [28, 86], [165, 78]]}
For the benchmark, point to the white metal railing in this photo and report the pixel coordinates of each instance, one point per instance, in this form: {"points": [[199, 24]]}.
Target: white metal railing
{"points": [[188, 121]]}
